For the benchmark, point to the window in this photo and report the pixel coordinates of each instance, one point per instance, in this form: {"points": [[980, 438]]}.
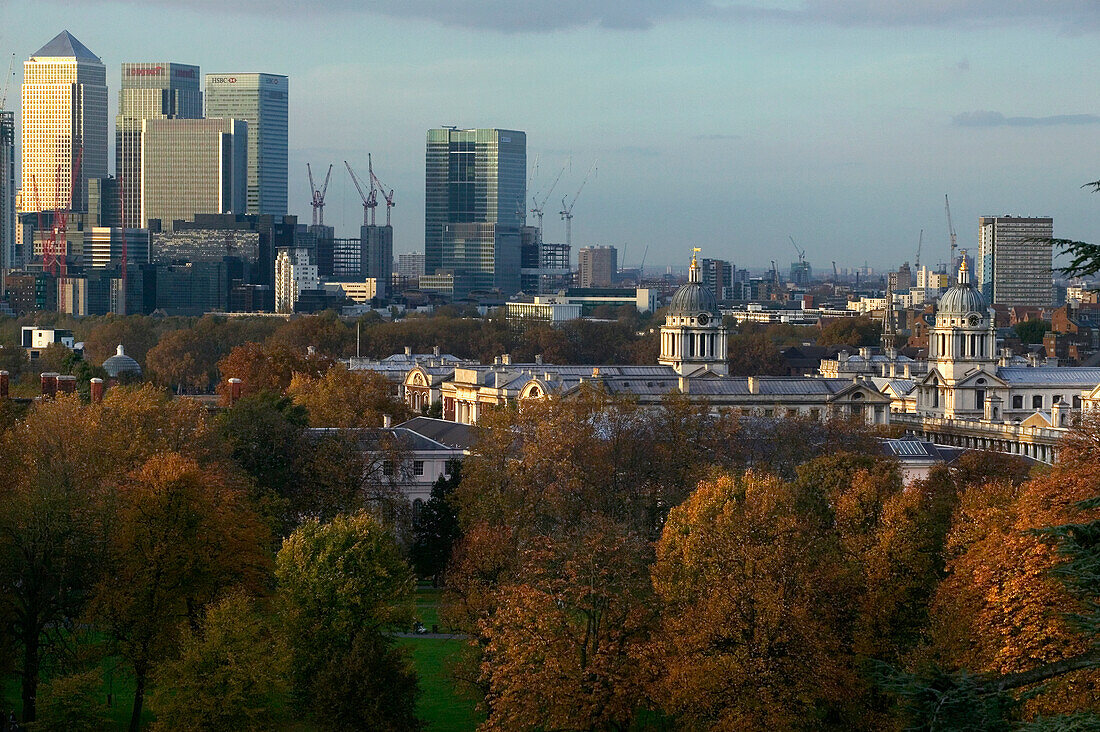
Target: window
{"points": [[387, 467], [418, 505], [1057, 399], [1018, 401], [418, 467], [1076, 402], [1037, 401]]}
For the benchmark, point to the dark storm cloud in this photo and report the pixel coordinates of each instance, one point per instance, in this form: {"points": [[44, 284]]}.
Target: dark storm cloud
{"points": [[984, 118], [548, 15]]}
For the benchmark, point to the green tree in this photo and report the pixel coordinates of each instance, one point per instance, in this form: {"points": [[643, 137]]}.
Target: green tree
{"points": [[230, 673], [436, 529], [1031, 331], [341, 587], [851, 332]]}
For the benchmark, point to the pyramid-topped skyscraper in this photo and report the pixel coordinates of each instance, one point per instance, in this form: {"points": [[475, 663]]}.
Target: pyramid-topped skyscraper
{"points": [[64, 124]]}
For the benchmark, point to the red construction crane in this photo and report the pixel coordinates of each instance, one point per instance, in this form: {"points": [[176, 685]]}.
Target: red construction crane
{"points": [[375, 182], [55, 249], [318, 196], [370, 200]]}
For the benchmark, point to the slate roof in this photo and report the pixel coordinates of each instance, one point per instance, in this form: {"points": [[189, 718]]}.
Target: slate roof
{"points": [[1076, 376], [64, 45], [451, 434]]}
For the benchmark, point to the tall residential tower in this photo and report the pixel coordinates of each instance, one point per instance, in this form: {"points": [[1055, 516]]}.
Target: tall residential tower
{"points": [[475, 190], [1015, 257], [64, 120], [7, 194], [261, 101], [154, 90]]}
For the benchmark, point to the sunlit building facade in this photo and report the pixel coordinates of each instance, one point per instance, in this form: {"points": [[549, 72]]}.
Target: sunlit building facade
{"points": [[64, 121]]}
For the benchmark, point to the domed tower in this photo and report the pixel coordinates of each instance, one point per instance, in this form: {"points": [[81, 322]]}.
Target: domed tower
{"points": [[965, 335], [693, 338]]}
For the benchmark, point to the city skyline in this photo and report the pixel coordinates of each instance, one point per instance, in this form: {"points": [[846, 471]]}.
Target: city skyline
{"points": [[724, 130]]}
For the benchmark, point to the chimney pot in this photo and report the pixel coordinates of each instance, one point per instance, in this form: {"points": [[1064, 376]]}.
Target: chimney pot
{"points": [[408, 350], [387, 421], [235, 387], [49, 384], [538, 358], [66, 384], [435, 350], [96, 389]]}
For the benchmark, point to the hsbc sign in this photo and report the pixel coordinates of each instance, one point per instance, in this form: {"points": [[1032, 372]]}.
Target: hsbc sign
{"points": [[221, 80]]}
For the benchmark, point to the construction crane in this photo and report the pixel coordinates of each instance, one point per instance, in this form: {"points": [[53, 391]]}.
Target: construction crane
{"points": [[318, 196], [374, 182], [370, 200], [641, 268], [836, 278], [59, 231], [567, 210], [538, 208], [775, 274], [7, 83], [920, 241], [951, 233], [801, 252]]}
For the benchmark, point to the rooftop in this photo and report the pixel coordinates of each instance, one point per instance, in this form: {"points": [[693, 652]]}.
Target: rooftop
{"points": [[64, 45]]}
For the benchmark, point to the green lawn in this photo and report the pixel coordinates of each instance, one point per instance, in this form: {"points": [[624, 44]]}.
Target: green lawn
{"points": [[440, 706]]}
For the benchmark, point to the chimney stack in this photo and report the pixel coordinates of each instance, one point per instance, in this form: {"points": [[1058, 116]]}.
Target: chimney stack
{"points": [[96, 389], [435, 350], [66, 384], [49, 384], [408, 350], [387, 421], [3, 384], [234, 391]]}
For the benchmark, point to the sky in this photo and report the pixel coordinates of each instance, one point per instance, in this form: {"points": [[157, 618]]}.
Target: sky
{"points": [[729, 125]]}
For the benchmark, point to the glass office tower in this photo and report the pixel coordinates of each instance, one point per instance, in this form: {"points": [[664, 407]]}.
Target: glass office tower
{"points": [[475, 190], [192, 166], [64, 120], [261, 101], [7, 194], [153, 90]]}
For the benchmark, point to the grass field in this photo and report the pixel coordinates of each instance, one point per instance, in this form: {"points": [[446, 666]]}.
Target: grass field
{"points": [[440, 706]]}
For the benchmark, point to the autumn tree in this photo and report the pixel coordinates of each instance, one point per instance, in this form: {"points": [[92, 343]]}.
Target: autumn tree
{"points": [[269, 367], [183, 359], [754, 355], [344, 398], [851, 332], [183, 533], [341, 586], [51, 521], [137, 333], [749, 626], [230, 673]]}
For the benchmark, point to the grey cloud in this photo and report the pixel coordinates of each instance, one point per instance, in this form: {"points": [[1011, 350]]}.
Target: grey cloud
{"points": [[548, 15], [985, 118]]}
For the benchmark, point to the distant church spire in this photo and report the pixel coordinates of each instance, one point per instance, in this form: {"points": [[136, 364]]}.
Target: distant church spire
{"points": [[889, 328], [693, 271]]}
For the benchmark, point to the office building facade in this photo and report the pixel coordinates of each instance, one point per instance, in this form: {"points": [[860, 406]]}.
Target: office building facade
{"points": [[7, 195], [192, 166], [64, 121], [597, 266], [153, 90], [475, 189], [717, 276], [261, 101], [1015, 258], [410, 265], [103, 247], [377, 256]]}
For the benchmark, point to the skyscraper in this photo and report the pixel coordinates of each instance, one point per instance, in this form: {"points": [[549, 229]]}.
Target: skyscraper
{"points": [[260, 100], [7, 194], [475, 190], [192, 166], [377, 253], [153, 90], [64, 118], [1015, 257]]}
